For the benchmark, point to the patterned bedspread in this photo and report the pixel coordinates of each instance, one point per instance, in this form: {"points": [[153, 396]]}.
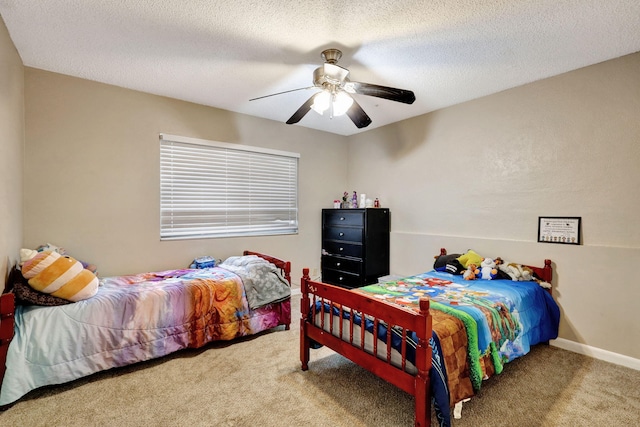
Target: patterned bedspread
{"points": [[480, 324], [130, 319]]}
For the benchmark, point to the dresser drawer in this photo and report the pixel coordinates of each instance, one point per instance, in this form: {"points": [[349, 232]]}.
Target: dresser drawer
{"points": [[344, 234], [341, 278], [344, 217], [342, 264], [342, 249]]}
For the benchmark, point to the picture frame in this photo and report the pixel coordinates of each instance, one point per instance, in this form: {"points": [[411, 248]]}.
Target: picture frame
{"points": [[560, 229]]}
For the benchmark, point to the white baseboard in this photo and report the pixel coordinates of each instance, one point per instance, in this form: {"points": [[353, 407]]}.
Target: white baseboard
{"points": [[597, 353]]}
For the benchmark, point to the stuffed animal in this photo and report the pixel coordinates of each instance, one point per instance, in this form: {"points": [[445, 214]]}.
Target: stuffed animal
{"points": [[517, 272], [542, 283], [62, 251], [502, 269], [51, 248], [61, 276], [488, 269], [470, 257], [526, 273], [471, 273], [448, 263]]}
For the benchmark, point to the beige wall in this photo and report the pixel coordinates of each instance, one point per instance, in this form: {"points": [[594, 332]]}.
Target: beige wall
{"points": [[479, 174], [11, 152], [92, 174], [476, 175]]}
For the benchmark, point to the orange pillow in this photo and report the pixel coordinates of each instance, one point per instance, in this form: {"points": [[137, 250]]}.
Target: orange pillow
{"points": [[61, 276]]}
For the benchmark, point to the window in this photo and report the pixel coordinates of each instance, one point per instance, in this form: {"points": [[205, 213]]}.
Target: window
{"points": [[215, 189]]}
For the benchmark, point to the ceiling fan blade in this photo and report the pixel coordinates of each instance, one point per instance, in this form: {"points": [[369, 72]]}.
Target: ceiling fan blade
{"points": [[304, 109], [280, 93], [358, 116], [393, 94]]}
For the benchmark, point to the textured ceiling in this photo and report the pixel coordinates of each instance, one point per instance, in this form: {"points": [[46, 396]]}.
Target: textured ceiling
{"points": [[223, 53]]}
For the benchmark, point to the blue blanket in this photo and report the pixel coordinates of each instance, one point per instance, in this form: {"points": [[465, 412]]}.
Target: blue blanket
{"points": [[503, 319]]}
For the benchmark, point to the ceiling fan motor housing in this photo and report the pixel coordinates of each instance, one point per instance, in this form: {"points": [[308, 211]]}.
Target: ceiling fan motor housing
{"points": [[330, 74], [331, 55]]}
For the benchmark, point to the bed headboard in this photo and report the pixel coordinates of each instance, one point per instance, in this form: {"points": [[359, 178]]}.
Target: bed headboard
{"points": [[7, 309], [544, 273], [284, 266]]}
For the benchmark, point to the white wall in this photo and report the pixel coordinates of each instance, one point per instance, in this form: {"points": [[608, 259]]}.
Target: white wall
{"points": [[92, 174], [11, 152], [478, 175]]}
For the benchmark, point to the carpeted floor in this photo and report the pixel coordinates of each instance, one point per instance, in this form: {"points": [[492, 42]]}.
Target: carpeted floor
{"points": [[258, 382]]}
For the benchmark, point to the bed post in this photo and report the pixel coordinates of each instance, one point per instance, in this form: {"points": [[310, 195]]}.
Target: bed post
{"points": [[304, 311], [547, 271], [7, 309], [423, 365], [287, 271]]}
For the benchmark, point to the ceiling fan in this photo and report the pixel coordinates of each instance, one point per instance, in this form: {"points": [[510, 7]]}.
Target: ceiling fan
{"points": [[335, 96]]}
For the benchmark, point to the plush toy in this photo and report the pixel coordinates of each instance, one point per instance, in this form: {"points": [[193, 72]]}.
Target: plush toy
{"points": [[488, 269], [526, 273], [502, 269], [471, 273], [512, 272], [51, 248], [62, 251], [448, 263], [470, 257], [542, 283], [61, 276], [518, 272], [26, 255]]}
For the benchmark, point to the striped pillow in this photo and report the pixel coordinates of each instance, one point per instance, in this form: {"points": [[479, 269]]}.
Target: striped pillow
{"points": [[61, 276]]}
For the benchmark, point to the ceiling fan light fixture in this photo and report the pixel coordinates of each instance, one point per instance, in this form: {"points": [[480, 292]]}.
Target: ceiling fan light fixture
{"points": [[341, 103], [323, 102]]}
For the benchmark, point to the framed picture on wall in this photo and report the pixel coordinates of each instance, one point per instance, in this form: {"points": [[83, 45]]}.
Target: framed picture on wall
{"points": [[557, 229]]}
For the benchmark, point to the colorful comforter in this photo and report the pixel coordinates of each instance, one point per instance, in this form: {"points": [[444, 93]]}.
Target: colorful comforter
{"points": [[501, 319], [130, 319]]}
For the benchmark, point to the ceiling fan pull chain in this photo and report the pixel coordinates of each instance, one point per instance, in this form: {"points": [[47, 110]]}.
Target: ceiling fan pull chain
{"points": [[333, 100]]}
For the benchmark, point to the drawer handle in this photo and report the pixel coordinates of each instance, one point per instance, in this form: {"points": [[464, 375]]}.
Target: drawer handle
{"points": [[342, 218], [341, 234], [341, 249], [338, 264], [341, 278]]}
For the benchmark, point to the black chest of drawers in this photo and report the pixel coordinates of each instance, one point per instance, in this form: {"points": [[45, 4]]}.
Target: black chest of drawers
{"points": [[355, 246]]}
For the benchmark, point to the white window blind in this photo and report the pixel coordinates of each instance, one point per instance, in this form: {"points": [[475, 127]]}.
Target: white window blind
{"points": [[215, 189]]}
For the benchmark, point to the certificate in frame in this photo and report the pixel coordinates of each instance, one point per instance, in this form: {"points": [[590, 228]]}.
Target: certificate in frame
{"points": [[557, 229]]}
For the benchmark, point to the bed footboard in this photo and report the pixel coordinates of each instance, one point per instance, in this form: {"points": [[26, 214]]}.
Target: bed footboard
{"points": [[285, 269], [284, 266], [319, 300]]}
